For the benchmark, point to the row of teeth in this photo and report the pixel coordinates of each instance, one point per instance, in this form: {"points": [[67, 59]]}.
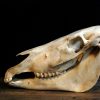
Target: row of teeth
{"points": [[48, 74]]}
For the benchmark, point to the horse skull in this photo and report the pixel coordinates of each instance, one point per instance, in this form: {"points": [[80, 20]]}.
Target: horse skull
{"points": [[70, 63]]}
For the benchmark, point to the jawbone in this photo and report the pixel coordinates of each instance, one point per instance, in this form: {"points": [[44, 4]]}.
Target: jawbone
{"points": [[61, 64]]}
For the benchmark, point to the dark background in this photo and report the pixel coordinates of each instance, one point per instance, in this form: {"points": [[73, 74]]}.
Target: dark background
{"points": [[27, 24]]}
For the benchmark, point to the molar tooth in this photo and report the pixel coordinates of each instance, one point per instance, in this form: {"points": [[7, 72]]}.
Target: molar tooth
{"points": [[57, 73], [53, 74], [45, 75], [37, 74], [49, 74], [41, 74]]}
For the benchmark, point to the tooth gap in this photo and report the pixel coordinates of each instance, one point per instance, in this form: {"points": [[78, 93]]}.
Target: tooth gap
{"points": [[24, 75]]}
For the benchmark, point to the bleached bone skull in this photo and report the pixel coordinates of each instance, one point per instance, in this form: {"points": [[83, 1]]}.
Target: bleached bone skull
{"points": [[70, 63]]}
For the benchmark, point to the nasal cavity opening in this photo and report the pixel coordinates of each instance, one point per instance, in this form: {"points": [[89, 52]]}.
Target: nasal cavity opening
{"points": [[20, 58], [76, 43], [25, 75]]}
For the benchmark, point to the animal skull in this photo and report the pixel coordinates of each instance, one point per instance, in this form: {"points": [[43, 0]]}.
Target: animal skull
{"points": [[70, 63]]}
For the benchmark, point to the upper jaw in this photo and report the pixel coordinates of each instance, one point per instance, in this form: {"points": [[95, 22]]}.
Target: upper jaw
{"points": [[58, 70]]}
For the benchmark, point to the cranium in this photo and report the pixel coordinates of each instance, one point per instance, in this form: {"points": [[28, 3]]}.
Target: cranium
{"points": [[70, 63]]}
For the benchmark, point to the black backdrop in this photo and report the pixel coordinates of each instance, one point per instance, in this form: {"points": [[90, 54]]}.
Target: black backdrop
{"points": [[27, 24]]}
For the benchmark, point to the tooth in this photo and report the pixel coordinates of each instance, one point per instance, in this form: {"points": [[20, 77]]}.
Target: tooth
{"points": [[45, 75], [42, 75], [37, 74], [57, 73], [53, 74], [49, 74]]}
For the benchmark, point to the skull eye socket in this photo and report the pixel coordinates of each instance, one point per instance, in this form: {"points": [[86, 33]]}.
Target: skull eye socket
{"points": [[76, 44]]}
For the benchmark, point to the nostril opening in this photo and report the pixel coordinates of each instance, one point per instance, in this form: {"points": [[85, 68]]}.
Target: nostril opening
{"points": [[20, 58], [25, 75]]}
